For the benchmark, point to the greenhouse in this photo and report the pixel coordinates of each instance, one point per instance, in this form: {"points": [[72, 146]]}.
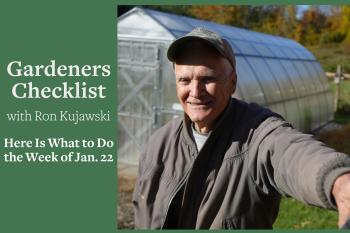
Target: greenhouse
{"points": [[272, 71]]}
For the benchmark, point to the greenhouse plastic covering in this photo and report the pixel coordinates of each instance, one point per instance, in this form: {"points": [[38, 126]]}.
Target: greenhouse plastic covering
{"points": [[275, 72]]}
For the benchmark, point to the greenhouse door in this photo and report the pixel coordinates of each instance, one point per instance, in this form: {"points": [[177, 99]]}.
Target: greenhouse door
{"points": [[138, 95]]}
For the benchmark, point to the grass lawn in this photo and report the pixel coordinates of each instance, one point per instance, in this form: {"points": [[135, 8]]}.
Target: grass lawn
{"points": [[332, 55], [295, 215]]}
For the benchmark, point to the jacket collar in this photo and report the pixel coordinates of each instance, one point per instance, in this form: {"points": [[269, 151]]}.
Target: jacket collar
{"points": [[224, 119]]}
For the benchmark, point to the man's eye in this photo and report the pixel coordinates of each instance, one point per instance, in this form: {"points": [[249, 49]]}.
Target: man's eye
{"points": [[183, 81], [208, 80]]}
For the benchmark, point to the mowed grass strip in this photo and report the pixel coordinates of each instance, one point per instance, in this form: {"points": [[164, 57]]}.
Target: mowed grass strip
{"points": [[296, 215]]}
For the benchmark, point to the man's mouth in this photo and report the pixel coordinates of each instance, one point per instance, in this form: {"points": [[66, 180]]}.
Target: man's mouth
{"points": [[199, 103]]}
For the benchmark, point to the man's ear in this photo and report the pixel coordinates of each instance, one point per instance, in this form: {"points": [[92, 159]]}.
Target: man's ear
{"points": [[234, 81]]}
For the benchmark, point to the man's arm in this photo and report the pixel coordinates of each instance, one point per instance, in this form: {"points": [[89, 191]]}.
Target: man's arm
{"points": [[297, 165], [341, 194]]}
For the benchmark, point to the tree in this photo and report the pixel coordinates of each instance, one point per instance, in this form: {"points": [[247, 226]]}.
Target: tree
{"points": [[175, 9], [312, 24], [314, 27], [345, 23], [224, 14]]}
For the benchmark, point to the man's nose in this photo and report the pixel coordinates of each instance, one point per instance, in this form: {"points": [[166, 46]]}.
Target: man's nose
{"points": [[196, 89]]}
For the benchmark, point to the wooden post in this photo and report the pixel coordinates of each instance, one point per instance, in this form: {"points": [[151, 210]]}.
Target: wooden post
{"points": [[337, 77]]}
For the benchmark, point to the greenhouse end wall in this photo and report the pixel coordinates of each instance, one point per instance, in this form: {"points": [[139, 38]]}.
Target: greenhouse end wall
{"points": [[146, 94]]}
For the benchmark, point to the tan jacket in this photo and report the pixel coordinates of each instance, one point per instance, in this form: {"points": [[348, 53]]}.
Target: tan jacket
{"points": [[250, 159]]}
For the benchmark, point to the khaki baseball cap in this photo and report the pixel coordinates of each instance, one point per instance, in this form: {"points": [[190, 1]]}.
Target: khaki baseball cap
{"points": [[212, 38]]}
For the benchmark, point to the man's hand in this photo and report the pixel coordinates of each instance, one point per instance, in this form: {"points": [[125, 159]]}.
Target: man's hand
{"points": [[341, 194]]}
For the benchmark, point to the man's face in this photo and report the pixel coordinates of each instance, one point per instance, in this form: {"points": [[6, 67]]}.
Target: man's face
{"points": [[204, 83]]}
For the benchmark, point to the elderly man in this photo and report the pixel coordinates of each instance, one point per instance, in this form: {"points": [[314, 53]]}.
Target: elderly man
{"points": [[226, 164]]}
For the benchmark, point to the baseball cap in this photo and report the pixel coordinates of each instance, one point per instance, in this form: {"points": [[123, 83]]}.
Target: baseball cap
{"points": [[212, 38]]}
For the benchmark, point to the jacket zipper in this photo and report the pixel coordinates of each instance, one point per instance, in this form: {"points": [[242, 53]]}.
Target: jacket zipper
{"points": [[181, 183]]}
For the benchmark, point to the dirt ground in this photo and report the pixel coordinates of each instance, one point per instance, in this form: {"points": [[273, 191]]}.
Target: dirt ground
{"points": [[337, 138], [125, 210]]}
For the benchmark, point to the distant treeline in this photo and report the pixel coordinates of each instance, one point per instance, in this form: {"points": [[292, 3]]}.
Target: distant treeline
{"points": [[314, 26]]}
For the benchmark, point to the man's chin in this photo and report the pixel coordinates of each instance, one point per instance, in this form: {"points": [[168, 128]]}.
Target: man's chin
{"points": [[198, 119]]}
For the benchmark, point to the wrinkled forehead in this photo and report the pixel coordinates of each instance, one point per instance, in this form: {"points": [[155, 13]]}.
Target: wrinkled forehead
{"points": [[195, 51], [198, 70]]}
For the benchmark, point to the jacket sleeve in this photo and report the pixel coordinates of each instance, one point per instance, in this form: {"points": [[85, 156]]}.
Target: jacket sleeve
{"points": [[141, 214], [294, 163], [136, 194]]}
